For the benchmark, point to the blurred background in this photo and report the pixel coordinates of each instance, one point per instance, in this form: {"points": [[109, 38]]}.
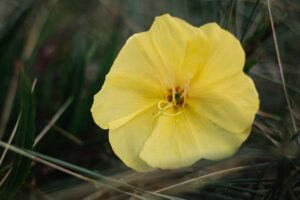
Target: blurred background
{"points": [[54, 56]]}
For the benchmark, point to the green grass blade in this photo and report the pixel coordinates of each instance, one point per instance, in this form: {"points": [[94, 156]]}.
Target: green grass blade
{"points": [[24, 138], [230, 13], [250, 20], [88, 175]]}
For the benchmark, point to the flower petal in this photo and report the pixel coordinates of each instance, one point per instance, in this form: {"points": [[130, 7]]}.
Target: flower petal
{"points": [[226, 56], [182, 140], [231, 103], [181, 46], [122, 97], [214, 142], [170, 145], [128, 140], [138, 56]]}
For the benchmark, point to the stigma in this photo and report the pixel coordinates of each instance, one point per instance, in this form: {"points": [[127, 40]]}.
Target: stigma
{"points": [[175, 100]]}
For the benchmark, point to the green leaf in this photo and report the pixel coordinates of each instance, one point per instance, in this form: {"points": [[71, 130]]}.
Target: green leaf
{"points": [[24, 138]]}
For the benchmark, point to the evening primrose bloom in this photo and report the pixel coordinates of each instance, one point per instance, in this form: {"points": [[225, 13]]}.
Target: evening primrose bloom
{"points": [[176, 94]]}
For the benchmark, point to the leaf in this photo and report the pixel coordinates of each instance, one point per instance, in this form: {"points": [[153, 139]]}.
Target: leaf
{"points": [[24, 138]]}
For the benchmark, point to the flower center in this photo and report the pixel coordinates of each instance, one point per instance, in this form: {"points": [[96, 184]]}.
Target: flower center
{"points": [[177, 96], [175, 100]]}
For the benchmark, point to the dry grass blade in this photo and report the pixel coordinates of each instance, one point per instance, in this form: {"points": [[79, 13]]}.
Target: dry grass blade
{"points": [[266, 133], [10, 138], [261, 76], [268, 115], [281, 68], [64, 170], [41, 195], [93, 196], [210, 175], [33, 85], [68, 135], [5, 177], [53, 120]]}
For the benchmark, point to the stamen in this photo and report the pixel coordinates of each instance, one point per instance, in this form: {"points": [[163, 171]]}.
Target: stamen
{"points": [[185, 92], [173, 95], [175, 98]]}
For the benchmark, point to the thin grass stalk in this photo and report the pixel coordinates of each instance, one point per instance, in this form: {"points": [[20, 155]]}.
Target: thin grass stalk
{"points": [[290, 87], [229, 16], [241, 189], [93, 196], [52, 121], [250, 20], [213, 174], [97, 183], [40, 194], [74, 170], [101, 177], [11, 137], [68, 135], [281, 68]]}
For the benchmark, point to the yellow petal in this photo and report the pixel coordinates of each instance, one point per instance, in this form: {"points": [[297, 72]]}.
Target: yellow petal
{"points": [[226, 56], [181, 46], [182, 140], [128, 140], [122, 97], [231, 103], [214, 142], [171, 144], [139, 56]]}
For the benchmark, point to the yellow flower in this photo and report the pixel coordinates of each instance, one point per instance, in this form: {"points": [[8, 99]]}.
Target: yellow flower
{"points": [[176, 94]]}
